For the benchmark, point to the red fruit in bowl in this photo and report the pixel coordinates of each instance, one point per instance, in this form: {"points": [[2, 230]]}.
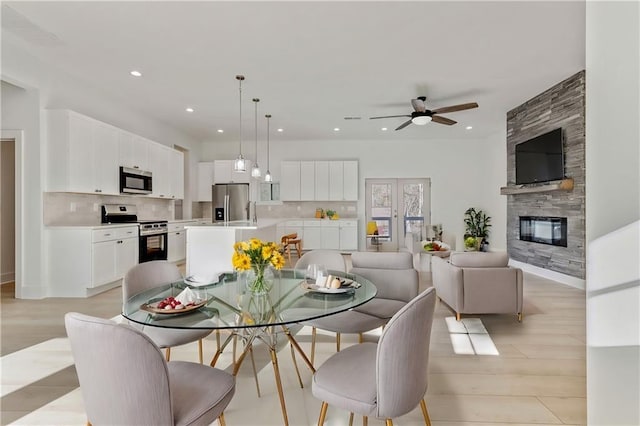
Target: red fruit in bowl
{"points": [[161, 304]]}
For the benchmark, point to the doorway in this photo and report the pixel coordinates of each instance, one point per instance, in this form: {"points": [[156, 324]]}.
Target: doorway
{"points": [[395, 207], [7, 210]]}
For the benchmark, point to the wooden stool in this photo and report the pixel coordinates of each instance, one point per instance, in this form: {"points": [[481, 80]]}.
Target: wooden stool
{"points": [[291, 240]]}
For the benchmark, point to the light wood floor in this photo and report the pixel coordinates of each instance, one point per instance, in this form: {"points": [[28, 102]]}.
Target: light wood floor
{"points": [[539, 376]]}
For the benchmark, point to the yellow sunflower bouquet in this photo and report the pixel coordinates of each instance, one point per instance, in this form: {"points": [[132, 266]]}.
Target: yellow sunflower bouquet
{"points": [[256, 255]]}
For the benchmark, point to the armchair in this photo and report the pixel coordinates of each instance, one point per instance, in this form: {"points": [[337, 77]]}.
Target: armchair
{"points": [[478, 283]]}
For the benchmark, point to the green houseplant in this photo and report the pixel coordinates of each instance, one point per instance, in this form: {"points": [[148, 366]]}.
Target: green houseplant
{"points": [[477, 225]]}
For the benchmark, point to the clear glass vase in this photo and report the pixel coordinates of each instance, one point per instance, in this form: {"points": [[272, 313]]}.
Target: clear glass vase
{"points": [[259, 279]]}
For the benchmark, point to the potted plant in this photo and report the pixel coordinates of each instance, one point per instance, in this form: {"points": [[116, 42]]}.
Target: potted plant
{"points": [[477, 225]]}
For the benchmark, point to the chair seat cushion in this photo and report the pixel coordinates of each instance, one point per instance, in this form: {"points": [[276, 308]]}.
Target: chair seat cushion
{"points": [[381, 308], [170, 337], [347, 322], [199, 393], [348, 379]]}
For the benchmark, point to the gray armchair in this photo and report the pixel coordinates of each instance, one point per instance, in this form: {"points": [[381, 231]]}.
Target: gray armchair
{"points": [[387, 379], [125, 380], [478, 283]]}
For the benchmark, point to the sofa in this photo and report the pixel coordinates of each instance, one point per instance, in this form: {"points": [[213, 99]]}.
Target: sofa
{"points": [[478, 283]]}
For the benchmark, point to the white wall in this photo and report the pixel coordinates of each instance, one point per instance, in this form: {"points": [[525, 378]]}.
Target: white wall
{"points": [[464, 173], [612, 203]]}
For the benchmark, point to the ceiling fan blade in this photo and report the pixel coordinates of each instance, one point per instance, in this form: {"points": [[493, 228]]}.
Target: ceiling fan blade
{"points": [[418, 105], [389, 116], [442, 120], [454, 108], [403, 125]]}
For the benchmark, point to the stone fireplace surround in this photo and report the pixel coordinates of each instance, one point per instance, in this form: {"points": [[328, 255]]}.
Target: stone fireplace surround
{"points": [[563, 105]]}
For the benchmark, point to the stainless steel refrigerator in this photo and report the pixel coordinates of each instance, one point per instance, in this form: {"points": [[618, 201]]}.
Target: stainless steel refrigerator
{"points": [[230, 201]]}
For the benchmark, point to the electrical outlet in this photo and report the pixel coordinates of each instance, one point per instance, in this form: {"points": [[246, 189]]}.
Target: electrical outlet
{"points": [[153, 207], [351, 209], [269, 208], [72, 207], [96, 207], [298, 208]]}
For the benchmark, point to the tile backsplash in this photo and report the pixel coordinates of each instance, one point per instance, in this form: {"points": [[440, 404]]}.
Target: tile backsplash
{"points": [[64, 208], [292, 209]]}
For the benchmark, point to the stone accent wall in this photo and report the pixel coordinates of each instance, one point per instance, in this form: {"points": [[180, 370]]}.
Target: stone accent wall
{"points": [[563, 105]]}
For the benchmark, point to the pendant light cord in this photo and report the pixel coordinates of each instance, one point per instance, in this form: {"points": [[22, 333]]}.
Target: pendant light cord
{"points": [[240, 78], [256, 100], [268, 117]]}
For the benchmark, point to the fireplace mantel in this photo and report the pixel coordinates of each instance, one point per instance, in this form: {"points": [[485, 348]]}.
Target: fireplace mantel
{"points": [[561, 185]]}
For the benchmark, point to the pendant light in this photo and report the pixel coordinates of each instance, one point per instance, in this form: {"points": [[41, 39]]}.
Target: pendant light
{"points": [[240, 165], [267, 176], [255, 170]]}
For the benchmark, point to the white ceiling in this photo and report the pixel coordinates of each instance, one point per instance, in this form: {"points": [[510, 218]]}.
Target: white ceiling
{"points": [[310, 63]]}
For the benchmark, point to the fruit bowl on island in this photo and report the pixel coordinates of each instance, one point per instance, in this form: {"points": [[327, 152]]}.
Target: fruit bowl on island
{"points": [[437, 248]]}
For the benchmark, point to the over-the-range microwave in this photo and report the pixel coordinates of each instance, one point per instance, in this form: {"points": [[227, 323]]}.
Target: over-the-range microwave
{"points": [[135, 181]]}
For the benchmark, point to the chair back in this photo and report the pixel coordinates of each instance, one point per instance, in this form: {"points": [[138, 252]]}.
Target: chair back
{"points": [[286, 238], [123, 376], [148, 275], [403, 357], [331, 259], [392, 273]]}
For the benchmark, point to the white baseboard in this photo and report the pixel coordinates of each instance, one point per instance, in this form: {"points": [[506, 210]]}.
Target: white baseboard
{"points": [[7, 277], [552, 275]]}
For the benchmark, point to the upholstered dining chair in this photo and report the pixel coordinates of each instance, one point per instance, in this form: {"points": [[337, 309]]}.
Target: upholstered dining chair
{"points": [[385, 380], [154, 274], [125, 380]]}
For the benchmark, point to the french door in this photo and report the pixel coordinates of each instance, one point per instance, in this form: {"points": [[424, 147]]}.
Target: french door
{"points": [[396, 207]]}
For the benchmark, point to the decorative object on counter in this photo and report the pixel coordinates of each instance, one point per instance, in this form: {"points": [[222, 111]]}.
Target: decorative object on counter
{"points": [[240, 164], [255, 169], [437, 231], [257, 257], [332, 214], [267, 175], [319, 213], [435, 246], [477, 225]]}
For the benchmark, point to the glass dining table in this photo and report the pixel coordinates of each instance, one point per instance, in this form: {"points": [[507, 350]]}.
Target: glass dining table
{"points": [[228, 305]]}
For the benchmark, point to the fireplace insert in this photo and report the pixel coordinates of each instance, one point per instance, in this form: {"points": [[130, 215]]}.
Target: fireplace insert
{"points": [[544, 230]]}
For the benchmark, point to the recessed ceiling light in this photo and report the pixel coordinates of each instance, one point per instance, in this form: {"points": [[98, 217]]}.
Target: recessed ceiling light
{"points": [[189, 110], [136, 73], [281, 130], [384, 129], [336, 129], [220, 131], [469, 127]]}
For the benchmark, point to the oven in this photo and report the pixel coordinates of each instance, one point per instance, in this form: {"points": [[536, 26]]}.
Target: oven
{"points": [[135, 181], [153, 240]]}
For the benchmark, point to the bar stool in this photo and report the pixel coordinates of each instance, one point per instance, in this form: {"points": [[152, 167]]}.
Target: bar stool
{"points": [[291, 240]]}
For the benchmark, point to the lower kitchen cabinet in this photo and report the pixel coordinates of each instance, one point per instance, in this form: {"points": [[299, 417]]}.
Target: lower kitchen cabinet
{"points": [[83, 261], [177, 244], [323, 233]]}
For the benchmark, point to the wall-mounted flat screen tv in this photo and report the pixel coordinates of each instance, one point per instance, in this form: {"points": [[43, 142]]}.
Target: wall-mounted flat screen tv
{"points": [[540, 159]]}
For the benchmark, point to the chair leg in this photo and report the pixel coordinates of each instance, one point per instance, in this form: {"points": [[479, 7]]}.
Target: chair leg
{"points": [[388, 422], [323, 413], [88, 423], [221, 420], [365, 420], [360, 337], [457, 316], [295, 364], [313, 344], [337, 342], [350, 419], [425, 413], [520, 316], [200, 350], [167, 354], [218, 339], [255, 372]]}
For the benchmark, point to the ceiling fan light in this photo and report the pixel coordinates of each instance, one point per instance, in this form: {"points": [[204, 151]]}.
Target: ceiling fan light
{"points": [[421, 120], [268, 177], [240, 165]]}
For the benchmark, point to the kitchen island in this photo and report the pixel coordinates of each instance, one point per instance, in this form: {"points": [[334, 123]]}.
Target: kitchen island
{"points": [[210, 246]]}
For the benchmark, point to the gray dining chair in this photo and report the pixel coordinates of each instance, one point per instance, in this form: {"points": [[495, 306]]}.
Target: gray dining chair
{"points": [[384, 380], [125, 380], [397, 283], [145, 276]]}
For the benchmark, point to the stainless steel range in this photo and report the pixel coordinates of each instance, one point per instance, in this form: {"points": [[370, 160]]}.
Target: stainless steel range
{"points": [[153, 235]]}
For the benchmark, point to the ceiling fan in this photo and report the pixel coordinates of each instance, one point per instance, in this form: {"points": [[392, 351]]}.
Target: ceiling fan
{"points": [[421, 115]]}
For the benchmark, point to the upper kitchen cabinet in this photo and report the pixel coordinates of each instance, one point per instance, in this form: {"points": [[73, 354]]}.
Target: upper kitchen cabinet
{"points": [[82, 154], [223, 172], [133, 151], [322, 180], [350, 180], [307, 181], [167, 167], [290, 181], [205, 180]]}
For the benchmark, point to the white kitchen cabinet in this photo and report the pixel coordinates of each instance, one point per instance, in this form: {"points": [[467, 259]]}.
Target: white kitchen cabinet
{"points": [[322, 180], [224, 173], [312, 235], [205, 180], [348, 235], [290, 181], [159, 166], [307, 180], [336, 180], [350, 180], [81, 154], [177, 244], [133, 150], [330, 234], [83, 261], [176, 174]]}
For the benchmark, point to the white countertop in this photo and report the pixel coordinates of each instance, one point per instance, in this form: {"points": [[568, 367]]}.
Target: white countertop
{"points": [[240, 224], [101, 226]]}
